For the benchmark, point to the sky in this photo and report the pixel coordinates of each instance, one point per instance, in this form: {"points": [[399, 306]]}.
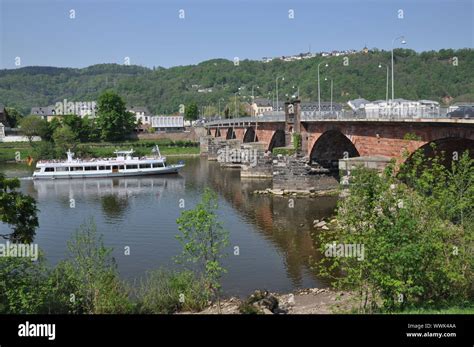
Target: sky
{"points": [[151, 33]]}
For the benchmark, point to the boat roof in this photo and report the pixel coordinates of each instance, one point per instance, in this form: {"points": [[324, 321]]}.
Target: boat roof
{"points": [[124, 152]]}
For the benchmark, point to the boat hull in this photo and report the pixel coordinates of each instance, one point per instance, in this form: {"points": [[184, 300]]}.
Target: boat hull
{"points": [[171, 169]]}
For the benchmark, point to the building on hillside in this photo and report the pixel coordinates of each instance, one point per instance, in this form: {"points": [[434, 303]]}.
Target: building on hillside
{"points": [[142, 117], [62, 108], [167, 123], [260, 106], [47, 113]]}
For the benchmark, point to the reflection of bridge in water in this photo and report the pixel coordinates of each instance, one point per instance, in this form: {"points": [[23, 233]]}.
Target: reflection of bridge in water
{"points": [[287, 229]]}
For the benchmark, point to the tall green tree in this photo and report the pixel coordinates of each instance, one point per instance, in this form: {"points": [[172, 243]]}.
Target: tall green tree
{"points": [[114, 121], [191, 112], [204, 239], [64, 139], [32, 126]]}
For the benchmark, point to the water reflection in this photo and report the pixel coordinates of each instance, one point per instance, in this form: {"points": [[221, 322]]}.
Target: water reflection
{"points": [[286, 222], [274, 238]]}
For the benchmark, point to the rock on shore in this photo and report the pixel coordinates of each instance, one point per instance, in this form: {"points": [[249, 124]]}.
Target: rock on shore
{"points": [[304, 301]]}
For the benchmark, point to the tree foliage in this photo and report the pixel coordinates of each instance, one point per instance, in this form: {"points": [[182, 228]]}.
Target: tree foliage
{"points": [[17, 210], [204, 239], [417, 236], [114, 121], [425, 75], [191, 112]]}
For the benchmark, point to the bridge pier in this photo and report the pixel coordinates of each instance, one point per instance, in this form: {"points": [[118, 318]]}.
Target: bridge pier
{"points": [[213, 146], [228, 153], [294, 173], [258, 163]]}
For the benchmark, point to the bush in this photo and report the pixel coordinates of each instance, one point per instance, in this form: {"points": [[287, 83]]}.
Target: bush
{"points": [[413, 257], [23, 286], [283, 151], [169, 292], [88, 281], [43, 150]]}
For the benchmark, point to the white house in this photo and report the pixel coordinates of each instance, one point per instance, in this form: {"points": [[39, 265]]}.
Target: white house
{"points": [[142, 114], [261, 106]]}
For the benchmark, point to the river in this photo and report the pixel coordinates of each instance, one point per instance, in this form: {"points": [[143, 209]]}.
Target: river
{"points": [[274, 243]]}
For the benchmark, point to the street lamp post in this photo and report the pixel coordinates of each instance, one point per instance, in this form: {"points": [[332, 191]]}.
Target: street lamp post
{"points": [[386, 89], [253, 91], [331, 90], [298, 90], [402, 38], [319, 88], [276, 82], [235, 106], [219, 108]]}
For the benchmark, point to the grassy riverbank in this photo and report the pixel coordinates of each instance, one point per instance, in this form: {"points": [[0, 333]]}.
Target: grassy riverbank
{"points": [[41, 150]]}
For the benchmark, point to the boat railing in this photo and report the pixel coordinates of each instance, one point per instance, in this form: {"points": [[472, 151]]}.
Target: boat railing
{"points": [[92, 160]]}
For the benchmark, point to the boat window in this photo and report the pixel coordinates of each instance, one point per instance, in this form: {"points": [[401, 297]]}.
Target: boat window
{"points": [[145, 166], [107, 167], [91, 168], [101, 167], [59, 169], [77, 168], [132, 167], [158, 165], [122, 167], [49, 169]]}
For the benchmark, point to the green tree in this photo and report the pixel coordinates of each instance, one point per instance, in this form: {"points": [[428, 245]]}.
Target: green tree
{"points": [[34, 126], [413, 256], [203, 239], [17, 210], [13, 117], [90, 273], [24, 286], [191, 112], [114, 121]]}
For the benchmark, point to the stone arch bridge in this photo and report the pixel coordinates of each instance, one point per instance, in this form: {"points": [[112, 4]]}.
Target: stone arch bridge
{"points": [[328, 140]]}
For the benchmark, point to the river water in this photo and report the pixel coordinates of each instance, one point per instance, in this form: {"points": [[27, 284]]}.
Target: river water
{"points": [[275, 247]]}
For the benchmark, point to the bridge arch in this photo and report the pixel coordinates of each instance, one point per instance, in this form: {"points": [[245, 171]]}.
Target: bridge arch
{"points": [[230, 134], [331, 146], [250, 135], [278, 139], [450, 147]]}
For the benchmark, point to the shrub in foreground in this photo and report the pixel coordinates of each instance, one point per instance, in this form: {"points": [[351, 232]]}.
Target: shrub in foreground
{"points": [[171, 291]]}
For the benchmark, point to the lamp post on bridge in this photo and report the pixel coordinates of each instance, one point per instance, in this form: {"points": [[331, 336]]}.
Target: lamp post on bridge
{"points": [[253, 98], [297, 91], [402, 38], [219, 108], [276, 82], [386, 91], [331, 89]]}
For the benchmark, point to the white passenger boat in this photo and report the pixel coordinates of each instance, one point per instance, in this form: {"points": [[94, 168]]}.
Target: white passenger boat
{"points": [[124, 164]]}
